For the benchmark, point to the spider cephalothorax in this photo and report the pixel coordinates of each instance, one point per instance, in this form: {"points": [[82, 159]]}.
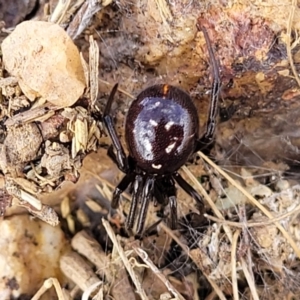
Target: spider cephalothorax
{"points": [[161, 133]]}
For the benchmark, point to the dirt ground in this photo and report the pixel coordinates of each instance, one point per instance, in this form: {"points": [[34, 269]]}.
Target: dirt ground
{"points": [[60, 238]]}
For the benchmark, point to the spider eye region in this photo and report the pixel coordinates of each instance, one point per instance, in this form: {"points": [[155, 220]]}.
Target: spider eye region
{"points": [[161, 129]]}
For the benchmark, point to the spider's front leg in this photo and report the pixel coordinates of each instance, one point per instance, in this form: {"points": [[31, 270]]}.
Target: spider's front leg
{"points": [[165, 193], [121, 187], [147, 195], [208, 136], [136, 196], [120, 156], [171, 194]]}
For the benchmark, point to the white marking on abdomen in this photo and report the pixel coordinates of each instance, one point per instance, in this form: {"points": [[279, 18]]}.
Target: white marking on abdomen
{"points": [[169, 125], [156, 166], [170, 147], [153, 123]]}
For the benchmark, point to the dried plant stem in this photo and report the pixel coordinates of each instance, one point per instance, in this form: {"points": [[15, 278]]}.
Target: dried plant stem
{"points": [[288, 40], [87, 293], [119, 89], [250, 280], [90, 248], [125, 260], [208, 199], [253, 201], [254, 224], [93, 69], [48, 283], [233, 265], [186, 249], [78, 270], [144, 256], [60, 11]]}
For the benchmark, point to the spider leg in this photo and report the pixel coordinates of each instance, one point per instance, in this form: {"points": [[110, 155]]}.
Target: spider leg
{"points": [[120, 157], [189, 190], [165, 193], [147, 195], [159, 195], [173, 206], [171, 194], [214, 100], [136, 194], [121, 187], [111, 154]]}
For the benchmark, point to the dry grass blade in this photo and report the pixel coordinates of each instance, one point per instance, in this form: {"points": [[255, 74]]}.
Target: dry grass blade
{"points": [[125, 260], [250, 280], [84, 16], [144, 256], [86, 72], [36, 203], [31, 115], [94, 69], [253, 201], [186, 249], [288, 40], [119, 89], [46, 213], [60, 11], [208, 199], [255, 224], [87, 294], [48, 283], [64, 11], [233, 265]]}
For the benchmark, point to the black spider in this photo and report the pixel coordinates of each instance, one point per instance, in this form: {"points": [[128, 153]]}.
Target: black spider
{"points": [[161, 133]]}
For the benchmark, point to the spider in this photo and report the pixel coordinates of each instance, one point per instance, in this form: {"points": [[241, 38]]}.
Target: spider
{"points": [[161, 132]]}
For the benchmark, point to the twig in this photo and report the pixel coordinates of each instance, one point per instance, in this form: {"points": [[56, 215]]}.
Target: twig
{"points": [[78, 270], [124, 258], [253, 201], [144, 256], [233, 265], [90, 248]]}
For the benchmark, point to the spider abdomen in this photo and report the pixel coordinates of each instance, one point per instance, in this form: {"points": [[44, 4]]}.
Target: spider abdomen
{"points": [[161, 129]]}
